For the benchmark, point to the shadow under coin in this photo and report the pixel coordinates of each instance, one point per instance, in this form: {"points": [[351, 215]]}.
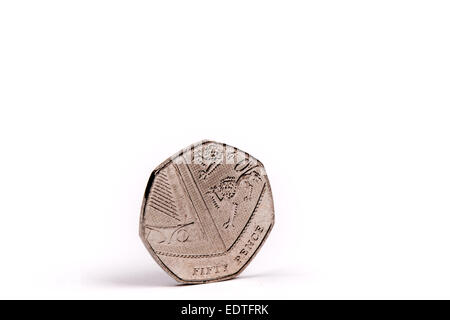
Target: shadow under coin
{"points": [[277, 274], [158, 278], [137, 278]]}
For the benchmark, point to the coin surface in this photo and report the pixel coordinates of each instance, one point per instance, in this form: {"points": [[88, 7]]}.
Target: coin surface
{"points": [[206, 212]]}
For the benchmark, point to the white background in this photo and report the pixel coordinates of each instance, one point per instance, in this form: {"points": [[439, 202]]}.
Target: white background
{"points": [[347, 103]]}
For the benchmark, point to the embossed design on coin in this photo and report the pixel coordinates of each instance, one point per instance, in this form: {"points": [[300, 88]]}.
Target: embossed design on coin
{"points": [[206, 212], [168, 233]]}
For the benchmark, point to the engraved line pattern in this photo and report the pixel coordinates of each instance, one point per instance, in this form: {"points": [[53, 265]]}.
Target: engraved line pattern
{"points": [[232, 246], [161, 194], [205, 220], [162, 206], [206, 206], [163, 174], [189, 196], [168, 204], [168, 214], [161, 197], [165, 184], [163, 189]]}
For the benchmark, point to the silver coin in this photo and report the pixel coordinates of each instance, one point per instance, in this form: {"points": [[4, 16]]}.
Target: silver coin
{"points": [[206, 212]]}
